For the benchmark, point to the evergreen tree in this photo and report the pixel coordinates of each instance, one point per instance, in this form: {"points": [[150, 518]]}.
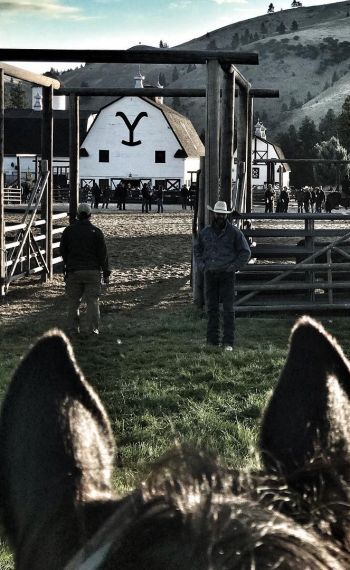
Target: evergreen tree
{"points": [[271, 9], [335, 77], [281, 28], [308, 97], [327, 127], [343, 123], [175, 75], [309, 138], [161, 44], [17, 98], [162, 79], [294, 27], [330, 173], [263, 28]]}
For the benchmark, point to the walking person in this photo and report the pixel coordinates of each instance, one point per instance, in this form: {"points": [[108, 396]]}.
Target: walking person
{"points": [[184, 196], [84, 254], [221, 250], [106, 196]]}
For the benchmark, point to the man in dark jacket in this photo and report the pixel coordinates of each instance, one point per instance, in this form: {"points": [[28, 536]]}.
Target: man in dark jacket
{"points": [[221, 250], [84, 254]]}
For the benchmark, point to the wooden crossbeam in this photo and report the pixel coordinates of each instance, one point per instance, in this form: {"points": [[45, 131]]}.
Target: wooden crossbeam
{"points": [[154, 55], [257, 93], [26, 75]]}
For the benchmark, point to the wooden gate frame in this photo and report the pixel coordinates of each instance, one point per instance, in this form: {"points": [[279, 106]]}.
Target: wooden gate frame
{"points": [[218, 168]]}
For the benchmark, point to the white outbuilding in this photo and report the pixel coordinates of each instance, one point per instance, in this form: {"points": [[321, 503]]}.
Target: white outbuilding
{"points": [[263, 149], [139, 140]]}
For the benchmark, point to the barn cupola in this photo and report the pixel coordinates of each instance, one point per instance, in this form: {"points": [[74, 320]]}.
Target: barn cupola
{"points": [[159, 98], [260, 130], [139, 79]]}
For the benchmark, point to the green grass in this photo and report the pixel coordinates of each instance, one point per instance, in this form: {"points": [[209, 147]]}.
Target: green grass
{"points": [[163, 386]]}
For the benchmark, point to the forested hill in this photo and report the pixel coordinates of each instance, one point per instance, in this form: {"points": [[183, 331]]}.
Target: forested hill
{"points": [[304, 52]]}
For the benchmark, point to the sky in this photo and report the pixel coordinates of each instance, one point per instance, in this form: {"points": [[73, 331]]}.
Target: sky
{"points": [[118, 24]]}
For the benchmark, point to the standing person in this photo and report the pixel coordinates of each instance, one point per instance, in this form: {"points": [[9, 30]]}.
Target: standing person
{"points": [[299, 195], [145, 198], [320, 199], [84, 254], [221, 250], [284, 199], [96, 196], [184, 196], [106, 196], [150, 196], [269, 198], [160, 198], [312, 199], [307, 199]]}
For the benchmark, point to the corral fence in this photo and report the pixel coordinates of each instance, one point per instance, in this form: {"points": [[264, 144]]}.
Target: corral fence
{"points": [[26, 242], [300, 262], [12, 196]]}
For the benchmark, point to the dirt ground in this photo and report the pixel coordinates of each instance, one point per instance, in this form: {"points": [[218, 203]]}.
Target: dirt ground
{"points": [[150, 255]]}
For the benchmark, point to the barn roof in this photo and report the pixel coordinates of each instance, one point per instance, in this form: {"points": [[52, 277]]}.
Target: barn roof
{"points": [[278, 150], [187, 136], [23, 131], [183, 129]]}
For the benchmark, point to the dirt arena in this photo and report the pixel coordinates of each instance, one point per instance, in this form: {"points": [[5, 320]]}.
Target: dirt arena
{"points": [[150, 255]]}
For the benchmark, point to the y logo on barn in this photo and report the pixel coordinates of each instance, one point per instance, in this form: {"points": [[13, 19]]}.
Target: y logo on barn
{"points": [[131, 127]]}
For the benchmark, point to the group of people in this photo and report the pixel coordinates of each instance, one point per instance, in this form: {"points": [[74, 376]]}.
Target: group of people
{"points": [[308, 199], [281, 198], [220, 251]]}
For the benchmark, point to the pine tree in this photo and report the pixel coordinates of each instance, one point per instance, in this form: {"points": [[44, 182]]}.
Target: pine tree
{"points": [[327, 127], [309, 138], [294, 27], [331, 173], [175, 75], [263, 28], [281, 28], [271, 9], [343, 122], [17, 98]]}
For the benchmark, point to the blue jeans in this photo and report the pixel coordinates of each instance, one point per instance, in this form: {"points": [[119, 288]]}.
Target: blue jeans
{"points": [[219, 287]]}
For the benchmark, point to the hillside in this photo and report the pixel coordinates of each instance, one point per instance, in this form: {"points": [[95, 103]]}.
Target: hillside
{"points": [[303, 52]]}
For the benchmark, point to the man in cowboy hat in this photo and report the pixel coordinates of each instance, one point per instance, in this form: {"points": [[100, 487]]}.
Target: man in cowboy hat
{"points": [[221, 250]]}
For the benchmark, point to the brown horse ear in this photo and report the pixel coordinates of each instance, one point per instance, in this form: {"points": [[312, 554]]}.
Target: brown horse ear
{"points": [[56, 445], [308, 415]]}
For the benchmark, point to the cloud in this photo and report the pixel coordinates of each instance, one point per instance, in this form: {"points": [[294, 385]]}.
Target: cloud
{"points": [[180, 4], [51, 9], [230, 1]]}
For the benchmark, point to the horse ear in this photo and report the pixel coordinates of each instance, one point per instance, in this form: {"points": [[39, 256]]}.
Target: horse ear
{"points": [[56, 445], [308, 415]]}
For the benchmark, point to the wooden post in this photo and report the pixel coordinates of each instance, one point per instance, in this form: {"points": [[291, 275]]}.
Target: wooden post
{"points": [[212, 136], [242, 136], [202, 204], [310, 244], [74, 145], [249, 202], [47, 155], [19, 173], [227, 120], [2, 192]]}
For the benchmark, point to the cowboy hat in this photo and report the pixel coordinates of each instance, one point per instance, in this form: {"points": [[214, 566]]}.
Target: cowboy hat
{"points": [[220, 208]]}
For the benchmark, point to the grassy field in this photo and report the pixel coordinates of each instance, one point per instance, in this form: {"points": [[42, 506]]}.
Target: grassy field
{"points": [[161, 385]]}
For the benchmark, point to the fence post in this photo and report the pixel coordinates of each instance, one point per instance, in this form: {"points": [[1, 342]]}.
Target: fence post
{"points": [[47, 159], [212, 135], [227, 121], [2, 192], [74, 144]]}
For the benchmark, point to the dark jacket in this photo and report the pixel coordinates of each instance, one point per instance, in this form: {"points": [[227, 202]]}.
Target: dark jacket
{"points": [[83, 247], [227, 250]]}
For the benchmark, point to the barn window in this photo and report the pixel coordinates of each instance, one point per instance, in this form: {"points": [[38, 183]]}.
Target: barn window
{"points": [[255, 172], [159, 156], [104, 155]]}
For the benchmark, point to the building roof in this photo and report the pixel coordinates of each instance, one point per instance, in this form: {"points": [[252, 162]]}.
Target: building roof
{"points": [[278, 151], [23, 131], [183, 129], [190, 144]]}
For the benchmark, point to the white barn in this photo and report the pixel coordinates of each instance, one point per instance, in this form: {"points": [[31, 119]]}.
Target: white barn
{"points": [[138, 139], [265, 149]]}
